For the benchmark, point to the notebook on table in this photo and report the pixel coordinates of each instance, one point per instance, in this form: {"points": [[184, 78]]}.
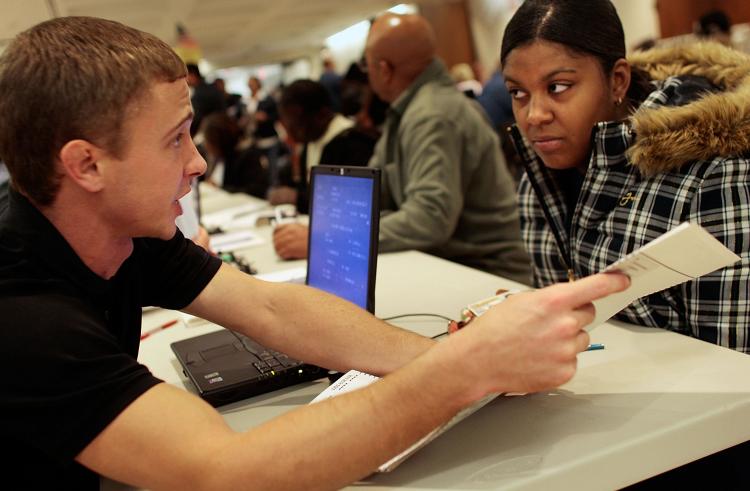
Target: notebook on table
{"points": [[342, 259]]}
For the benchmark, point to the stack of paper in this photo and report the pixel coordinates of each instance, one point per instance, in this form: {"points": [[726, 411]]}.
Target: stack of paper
{"points": [[356, 380]]}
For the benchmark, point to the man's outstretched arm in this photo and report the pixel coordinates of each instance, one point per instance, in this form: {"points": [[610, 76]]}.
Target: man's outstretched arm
{"points": [[169, 439]]}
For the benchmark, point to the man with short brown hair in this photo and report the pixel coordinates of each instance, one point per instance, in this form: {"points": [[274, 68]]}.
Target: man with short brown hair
{"points": [[89, 238]]}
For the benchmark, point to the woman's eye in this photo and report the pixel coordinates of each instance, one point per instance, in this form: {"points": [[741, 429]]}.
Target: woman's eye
{"points": [[558, 88], [517, 93]]}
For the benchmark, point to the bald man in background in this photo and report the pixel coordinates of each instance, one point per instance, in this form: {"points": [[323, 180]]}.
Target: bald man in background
{"points": [[446, 188]]}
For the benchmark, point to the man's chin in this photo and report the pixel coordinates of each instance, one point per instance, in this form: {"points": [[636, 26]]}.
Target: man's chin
{"points": [[166, 233]]}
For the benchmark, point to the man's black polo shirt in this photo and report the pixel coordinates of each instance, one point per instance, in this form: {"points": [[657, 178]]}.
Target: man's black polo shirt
{"points": [[69, 341]]}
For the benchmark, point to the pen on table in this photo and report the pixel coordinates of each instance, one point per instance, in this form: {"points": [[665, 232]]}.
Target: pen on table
{"points": [[595, 346], [278, 215], [243, 214], [158, 328]]}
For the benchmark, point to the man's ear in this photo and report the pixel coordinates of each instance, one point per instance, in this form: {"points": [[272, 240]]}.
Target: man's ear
{"points": [[79, 160], [386, 70]]}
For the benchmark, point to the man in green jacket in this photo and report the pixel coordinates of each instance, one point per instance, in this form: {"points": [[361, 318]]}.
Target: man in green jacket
{"points": [[446, 188]]}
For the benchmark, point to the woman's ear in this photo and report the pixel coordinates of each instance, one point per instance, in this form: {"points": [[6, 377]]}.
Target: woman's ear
{"points": [[620, 80], [79, 160]]}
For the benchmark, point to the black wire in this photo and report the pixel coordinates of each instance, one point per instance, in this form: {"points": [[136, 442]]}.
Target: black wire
{"points": [[417, 315], [401, 316]]}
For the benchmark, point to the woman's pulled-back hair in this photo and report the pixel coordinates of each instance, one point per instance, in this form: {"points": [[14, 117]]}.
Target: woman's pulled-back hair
{"points": [[590, 27]]}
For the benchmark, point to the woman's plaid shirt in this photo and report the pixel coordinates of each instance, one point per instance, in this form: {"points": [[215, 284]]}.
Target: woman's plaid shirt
{"points": [[618, 211]]}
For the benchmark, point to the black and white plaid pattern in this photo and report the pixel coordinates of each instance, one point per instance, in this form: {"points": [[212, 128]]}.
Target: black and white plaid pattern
{"points": [[618, 211]]}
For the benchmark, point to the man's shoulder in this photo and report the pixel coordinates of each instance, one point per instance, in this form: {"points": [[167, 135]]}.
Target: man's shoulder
{"points": [[436, 90], [438, 101], [45, 317], [20, 272], [43, 305], [444, 107]]}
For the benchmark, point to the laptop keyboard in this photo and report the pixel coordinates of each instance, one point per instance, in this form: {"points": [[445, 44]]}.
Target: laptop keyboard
{"points": [[226, 366], [268, 360]]}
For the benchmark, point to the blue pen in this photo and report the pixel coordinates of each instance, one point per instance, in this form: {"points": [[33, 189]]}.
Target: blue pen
{"points": [[595, 346]]}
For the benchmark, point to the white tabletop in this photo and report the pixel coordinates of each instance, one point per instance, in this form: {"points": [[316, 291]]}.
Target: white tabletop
{"points": [[650, 401]]}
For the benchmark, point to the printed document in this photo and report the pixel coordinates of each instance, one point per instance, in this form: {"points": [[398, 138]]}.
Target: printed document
{"points": [[356, 380], [684, 253]]}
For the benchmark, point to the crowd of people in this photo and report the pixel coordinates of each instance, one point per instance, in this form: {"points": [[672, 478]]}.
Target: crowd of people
{"points": [[227, 126], [88, 235]]}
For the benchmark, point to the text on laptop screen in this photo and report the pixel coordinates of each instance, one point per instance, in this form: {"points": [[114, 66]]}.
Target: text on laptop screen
{"points": [[340, 236]]}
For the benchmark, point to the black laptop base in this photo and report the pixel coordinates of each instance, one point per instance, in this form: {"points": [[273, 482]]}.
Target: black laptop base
{"points": [[342, 260], [227, 367]]}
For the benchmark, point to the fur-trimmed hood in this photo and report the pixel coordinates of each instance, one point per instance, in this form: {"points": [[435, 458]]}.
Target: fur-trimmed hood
{"points": [[716, 124]]}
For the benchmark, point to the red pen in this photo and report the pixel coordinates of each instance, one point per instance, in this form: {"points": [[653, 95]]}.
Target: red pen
{"points": [[159, 328]]}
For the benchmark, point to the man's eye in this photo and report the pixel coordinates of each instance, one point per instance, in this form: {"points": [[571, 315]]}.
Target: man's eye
{"points": [[178, 139]]}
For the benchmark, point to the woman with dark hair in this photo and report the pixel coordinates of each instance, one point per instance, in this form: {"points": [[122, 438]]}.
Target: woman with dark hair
{"points": [[243, 169], [618, 152]]}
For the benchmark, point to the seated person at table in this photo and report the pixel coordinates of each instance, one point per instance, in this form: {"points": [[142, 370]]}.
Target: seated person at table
{"points": [[446, 188], [206, 98], [328, 138], [89, 238], [670, 144], [234, 168]]}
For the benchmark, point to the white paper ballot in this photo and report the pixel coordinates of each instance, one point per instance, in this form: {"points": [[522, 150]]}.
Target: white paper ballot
{"points": [[188, 221], [353, 379], [684, 253], [292, 275], [226, 216], [348, 382], [231, 241]]}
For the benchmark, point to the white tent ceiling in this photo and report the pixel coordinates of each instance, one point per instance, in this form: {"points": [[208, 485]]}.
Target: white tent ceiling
{"points": [[230, 32]]}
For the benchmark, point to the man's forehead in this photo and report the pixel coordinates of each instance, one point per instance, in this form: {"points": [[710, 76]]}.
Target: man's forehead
{"points": [[170, 100], [176, 92]]}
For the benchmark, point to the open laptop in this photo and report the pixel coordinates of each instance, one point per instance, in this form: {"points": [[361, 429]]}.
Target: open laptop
{"points": [[342, 259]]}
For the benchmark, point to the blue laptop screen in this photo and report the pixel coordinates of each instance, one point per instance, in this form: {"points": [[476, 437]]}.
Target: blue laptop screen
{"points": [[340, 221]]}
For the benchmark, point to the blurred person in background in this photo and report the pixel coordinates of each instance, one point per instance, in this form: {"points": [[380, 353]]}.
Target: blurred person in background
{"points": [[233, 102], [714, 26], [264, 114], [466, 81], [359, 102], [232, 166], [205, 98], [331, 80], [446, 189], [328, 138], [496, 102]]}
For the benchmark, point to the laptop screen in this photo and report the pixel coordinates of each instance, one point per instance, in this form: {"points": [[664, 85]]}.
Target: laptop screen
{"points": [[344, 222]]}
